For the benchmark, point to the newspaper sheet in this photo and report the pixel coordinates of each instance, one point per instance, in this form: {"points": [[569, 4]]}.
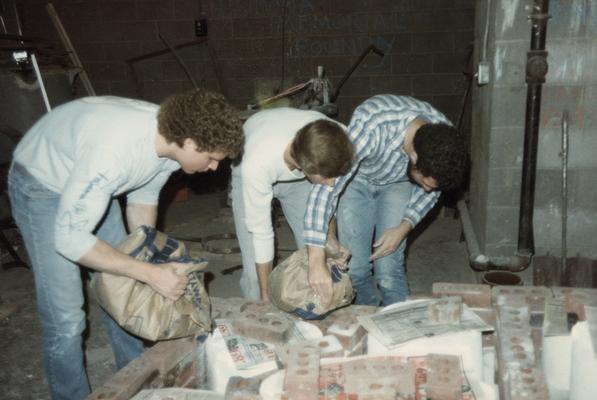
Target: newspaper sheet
{"points": [[247, 353], [410, 320]]}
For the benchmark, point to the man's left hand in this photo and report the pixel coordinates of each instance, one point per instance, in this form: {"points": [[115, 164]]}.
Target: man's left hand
{"points": [[390, 240]]}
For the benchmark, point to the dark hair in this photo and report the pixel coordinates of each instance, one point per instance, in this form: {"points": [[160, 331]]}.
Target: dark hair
{"points": [[203, 116], [441, 154], [322, 147]]}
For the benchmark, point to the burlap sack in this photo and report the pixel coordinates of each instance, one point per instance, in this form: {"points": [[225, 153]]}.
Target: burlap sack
{"points": [[289, 289], [142, 311]]}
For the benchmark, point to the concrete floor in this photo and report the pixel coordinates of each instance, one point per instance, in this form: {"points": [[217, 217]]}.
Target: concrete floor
{"points": [[435, 254]]}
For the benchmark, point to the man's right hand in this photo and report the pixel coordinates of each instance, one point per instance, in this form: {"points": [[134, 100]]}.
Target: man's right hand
{"points": [[169, 279], [320, 279]]}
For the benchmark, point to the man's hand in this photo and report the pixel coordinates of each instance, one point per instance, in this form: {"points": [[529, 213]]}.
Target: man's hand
{"points": [[390, 240], [169, 279], [319, 275]]}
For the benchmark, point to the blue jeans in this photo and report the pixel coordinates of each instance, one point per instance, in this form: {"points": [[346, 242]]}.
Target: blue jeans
{"points": [[365, 209], [293, 199], [59, 287]]}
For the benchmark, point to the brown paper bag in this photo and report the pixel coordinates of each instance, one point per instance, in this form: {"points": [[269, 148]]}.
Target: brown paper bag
{"points": [[142, 311], [289, 289]]}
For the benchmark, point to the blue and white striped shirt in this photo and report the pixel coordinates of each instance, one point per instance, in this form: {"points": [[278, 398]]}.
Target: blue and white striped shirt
{"points": [[377, 131]]}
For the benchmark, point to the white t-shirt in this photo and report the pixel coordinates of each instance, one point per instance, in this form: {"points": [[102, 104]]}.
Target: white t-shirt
{"points": [[90, 150], [267, 134]]}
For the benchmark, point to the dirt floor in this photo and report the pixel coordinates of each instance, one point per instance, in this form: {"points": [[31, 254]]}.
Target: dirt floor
{"points": [[435, 254]]}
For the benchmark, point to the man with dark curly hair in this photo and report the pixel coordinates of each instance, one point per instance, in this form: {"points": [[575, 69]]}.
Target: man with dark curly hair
{"points": [[406, 153], [287, 153], [66, 173]]}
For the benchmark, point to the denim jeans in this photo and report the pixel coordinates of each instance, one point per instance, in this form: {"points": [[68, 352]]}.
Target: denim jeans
{"points": [[59, 287], [366, 209], [293, 199]]}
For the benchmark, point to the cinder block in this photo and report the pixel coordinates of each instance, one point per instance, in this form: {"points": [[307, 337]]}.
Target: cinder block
{"points": [[444, 377], [473, 295], [268, 328], [302, 374], [446, 310]]}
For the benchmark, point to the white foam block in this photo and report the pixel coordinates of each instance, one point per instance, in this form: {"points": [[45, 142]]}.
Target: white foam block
{"points": [[583, 372]]}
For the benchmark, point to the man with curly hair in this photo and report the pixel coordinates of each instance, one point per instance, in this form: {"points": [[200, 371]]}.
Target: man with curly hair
{"points": [[66, 173], [406, 154], [287, 152]]}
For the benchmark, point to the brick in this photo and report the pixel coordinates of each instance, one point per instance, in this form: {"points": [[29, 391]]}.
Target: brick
{"points": [[473, 295], [329, 346], [372, 389], [391, 372], [141, 372], [268, 328], [444, 377], [517, 350], [226, 308], [302, 374], [446, 310]]}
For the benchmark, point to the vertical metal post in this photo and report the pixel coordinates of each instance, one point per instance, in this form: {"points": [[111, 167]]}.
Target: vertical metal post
{"points": [[535, 77], [564, 155]]}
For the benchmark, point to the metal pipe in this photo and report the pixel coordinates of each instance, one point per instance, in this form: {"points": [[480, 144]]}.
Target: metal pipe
{"points": [[353, 67], [535, 77], [564, 195], [41, 82], [181, 63], [482, 262]]}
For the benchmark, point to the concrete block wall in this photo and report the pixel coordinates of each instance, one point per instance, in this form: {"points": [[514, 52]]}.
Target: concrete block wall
{"points": [[498, 129], [250, 44]]}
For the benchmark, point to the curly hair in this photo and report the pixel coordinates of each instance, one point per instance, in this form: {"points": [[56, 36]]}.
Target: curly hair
{"points": [[322, 147], [203, 116], [441, 154]]}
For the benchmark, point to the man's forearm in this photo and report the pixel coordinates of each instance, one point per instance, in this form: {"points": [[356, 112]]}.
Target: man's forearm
{"points": [[103, 257], [141, 214], [263, 271]]}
